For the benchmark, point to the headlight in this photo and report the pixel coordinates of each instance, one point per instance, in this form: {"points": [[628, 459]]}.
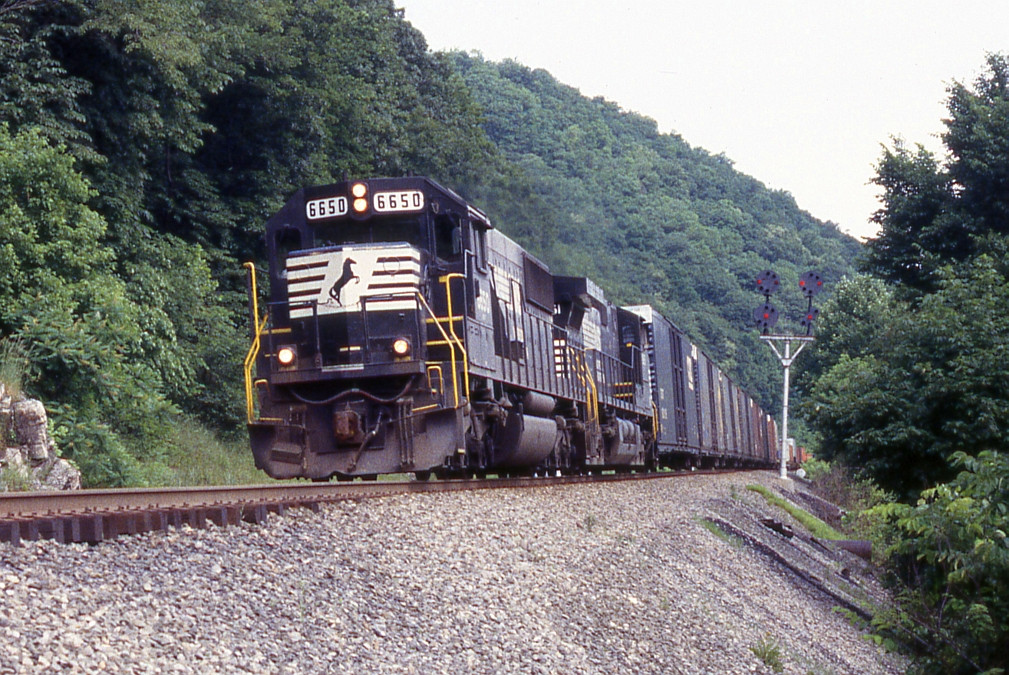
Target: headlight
{"points": [[359, 191], [401, 347], [286, 356]]}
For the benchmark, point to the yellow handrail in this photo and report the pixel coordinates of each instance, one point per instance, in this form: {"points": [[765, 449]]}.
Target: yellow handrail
{"points": [[451, 327], [448, 341], [250, 358], [591, 393], [452, 341]]}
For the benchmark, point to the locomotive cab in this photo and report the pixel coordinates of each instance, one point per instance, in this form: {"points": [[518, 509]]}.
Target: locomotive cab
{"points": [[359, 329]]}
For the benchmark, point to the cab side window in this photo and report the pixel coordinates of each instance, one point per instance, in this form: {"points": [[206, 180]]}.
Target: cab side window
{"points": [[447, 236]]}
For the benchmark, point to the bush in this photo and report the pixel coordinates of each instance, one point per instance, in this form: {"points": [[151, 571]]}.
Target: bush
{"points": [[950, 558], [14, 361], [854, 493]]}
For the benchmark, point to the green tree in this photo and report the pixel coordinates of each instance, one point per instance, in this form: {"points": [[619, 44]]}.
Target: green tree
{"points": [[951, 554], [933, 380], [60, 295], [934, 214], [647, 216]]}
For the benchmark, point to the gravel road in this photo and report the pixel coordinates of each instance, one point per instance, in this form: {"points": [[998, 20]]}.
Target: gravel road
{"points": [[619, 578]]}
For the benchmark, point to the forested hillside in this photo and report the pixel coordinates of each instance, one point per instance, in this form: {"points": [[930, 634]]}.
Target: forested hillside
{"points": [[652, 218], [143, 143]]}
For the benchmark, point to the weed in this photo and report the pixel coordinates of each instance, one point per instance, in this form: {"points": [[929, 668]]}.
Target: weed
{"points": [[853, 618], [716, 529], [816, 527], [816, 469], [16, 478], [768, 650], [821, 670], [589, 522], [303, 604], [14, 362], [197, 456]]}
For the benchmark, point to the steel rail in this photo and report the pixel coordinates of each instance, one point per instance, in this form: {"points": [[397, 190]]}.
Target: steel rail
{"points": [[95, 515]]}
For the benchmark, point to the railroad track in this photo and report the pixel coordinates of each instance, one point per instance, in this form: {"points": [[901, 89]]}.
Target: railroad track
{"points": [[93, 516]]}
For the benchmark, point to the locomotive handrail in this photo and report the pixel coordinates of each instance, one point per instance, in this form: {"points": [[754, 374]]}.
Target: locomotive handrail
{"points": [[447, 280], [250, 357], [451, 347], [591, 393]]}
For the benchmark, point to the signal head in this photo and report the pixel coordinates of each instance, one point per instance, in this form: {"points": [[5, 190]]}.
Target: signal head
{"points": [[811, 283], [808, 319], [765, 317], [767, 282]]}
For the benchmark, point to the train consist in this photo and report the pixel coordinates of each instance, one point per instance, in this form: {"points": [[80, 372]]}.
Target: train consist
{"points": [[403, 333]]}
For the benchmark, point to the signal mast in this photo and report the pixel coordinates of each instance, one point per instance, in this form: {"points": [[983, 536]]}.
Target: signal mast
{"points": [[766, 316]]}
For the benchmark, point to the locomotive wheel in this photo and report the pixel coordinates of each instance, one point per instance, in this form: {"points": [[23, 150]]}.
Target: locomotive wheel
{"points": [[422, 475]]}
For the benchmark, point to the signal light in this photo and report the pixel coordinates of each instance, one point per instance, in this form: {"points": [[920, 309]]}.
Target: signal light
{"points": [[765, 317], [768, 282], [809, 318], [359, 190], [811, 283]]}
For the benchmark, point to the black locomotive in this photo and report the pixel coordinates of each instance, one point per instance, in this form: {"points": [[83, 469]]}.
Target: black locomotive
{"points": [[403, 333]]}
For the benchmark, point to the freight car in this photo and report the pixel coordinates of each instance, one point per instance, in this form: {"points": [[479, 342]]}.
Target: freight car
{"points": [[404, 333]]}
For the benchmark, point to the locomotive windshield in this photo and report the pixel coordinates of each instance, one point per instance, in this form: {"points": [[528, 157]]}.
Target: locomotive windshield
{"points": [[372, 231]]}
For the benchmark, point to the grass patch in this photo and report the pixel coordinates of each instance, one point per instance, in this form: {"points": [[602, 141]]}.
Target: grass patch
{"points": [[197, 456], [816, 527], [14, 360], [715, 529], [768, 650], [15, 479]]}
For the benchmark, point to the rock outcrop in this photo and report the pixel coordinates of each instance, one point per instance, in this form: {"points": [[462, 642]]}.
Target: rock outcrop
{"points": [[28, 456]]}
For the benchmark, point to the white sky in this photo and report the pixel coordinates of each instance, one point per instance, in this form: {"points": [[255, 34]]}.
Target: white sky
{"points": [[800, 94]]}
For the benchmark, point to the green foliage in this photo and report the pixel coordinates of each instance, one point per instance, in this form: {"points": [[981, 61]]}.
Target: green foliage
{"points": [[915, 386], [61, 298], [903, 396], [951, 555], [16, 478], [35, 88], [815, 468], [14, 363], [816, 527], [716, 529], [855, 495], [646, 215], [853, 321], [768, 650], [933, 213], [146, 142]]}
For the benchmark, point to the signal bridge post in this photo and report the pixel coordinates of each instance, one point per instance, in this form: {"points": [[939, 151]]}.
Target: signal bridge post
{"points": [[786, 362]]}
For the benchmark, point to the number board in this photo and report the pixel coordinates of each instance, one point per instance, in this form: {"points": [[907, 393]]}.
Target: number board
{"points": [[400, 200], [327, 207]]}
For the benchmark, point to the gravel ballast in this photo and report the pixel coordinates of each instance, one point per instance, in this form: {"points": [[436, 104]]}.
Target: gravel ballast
{"points": [[607, 578]]}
